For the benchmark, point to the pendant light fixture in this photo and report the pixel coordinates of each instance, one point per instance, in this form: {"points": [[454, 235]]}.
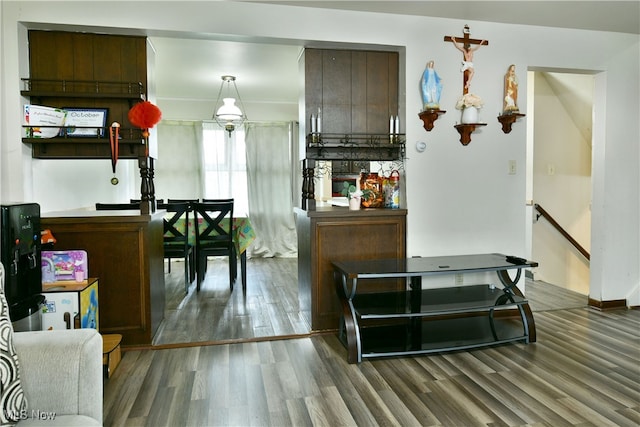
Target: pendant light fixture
{"points": [[228, 115]]}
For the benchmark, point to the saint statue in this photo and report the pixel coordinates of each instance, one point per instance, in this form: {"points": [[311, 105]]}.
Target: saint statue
{"points": [[511, 90], [431, 88]]}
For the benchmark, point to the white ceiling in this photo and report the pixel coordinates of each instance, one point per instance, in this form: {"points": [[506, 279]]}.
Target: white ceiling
{"points": [[617, 16], [190, 69]]}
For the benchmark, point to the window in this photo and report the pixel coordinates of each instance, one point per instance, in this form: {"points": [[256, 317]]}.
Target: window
{"points": [[225, 166]]}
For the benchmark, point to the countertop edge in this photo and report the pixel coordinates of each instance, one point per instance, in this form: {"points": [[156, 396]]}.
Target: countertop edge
{"points": [[101, 216], [339, 211]]}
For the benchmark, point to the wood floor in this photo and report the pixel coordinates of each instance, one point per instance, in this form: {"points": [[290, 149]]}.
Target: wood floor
{"points": [[544, 296], [584, 370], [269, 308]]}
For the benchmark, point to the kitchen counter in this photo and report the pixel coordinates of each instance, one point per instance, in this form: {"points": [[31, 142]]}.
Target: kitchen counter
{"points": [[329, 233], [326, 210]]}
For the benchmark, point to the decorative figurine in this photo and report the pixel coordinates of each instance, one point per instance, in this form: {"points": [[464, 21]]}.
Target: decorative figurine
{"points": [[467, 55], [431, 85], [511, 90], [469, 102]]}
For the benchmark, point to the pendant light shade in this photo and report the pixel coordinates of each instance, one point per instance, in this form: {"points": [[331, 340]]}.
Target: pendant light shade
{"points": [[229, 110], [228, 114]]}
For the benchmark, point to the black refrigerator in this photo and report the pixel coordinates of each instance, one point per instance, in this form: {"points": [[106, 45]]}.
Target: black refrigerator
{"points": [[20, 256]]}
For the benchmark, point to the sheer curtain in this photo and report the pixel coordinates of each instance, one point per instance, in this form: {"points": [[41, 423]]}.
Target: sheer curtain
{"points": [[270, 167], [177, 169]]}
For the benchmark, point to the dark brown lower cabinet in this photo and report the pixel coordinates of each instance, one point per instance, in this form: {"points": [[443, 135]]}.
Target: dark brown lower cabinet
{"points": [[329, 234], [125, 252]]}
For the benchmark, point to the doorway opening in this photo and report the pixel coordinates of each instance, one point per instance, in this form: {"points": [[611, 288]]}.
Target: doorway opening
{"points": [[559, 182]]}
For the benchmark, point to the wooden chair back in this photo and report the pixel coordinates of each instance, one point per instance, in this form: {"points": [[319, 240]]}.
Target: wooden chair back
{"points": [[188, 201], [216, 227], [116, 206], [174, 233]]}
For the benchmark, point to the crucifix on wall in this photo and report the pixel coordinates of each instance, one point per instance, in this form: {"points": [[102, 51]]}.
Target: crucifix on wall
{"points": [[464, 45]]}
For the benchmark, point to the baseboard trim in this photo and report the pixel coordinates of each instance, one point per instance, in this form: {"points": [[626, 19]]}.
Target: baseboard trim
{"points": [[617, 304]]}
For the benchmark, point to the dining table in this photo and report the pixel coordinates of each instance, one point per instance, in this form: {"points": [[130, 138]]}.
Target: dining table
{"points": [[243, 235]]}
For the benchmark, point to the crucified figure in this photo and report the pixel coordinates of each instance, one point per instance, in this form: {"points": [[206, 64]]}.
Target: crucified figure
{"points": [[467, 52]]}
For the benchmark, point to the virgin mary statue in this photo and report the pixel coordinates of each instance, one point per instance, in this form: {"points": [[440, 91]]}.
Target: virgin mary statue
{"points": [[431, 88]]}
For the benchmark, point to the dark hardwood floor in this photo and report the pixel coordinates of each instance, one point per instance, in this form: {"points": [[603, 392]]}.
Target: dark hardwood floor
{"points": [[269, 308], [545, 296], [584, 370]]}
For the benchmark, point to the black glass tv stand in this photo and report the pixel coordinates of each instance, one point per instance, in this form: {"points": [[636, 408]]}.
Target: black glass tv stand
{"points": [[420, 321]]}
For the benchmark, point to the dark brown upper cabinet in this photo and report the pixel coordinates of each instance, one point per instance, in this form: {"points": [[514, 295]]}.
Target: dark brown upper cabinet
{"points": [[354, 92], [83, 70]]}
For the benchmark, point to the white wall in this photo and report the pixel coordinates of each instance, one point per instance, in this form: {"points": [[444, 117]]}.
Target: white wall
{"points": [[460, 199], [68, 184]]}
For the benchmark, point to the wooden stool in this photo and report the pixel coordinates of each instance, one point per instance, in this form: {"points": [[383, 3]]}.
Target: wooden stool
{"points": [[110, 352]]}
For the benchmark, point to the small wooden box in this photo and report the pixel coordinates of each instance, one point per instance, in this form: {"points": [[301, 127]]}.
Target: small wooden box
{"points": [[110, 353]]}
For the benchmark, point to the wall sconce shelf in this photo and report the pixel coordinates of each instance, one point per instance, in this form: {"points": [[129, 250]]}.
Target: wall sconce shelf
{"points": [[430, 116], [508, 119], [465, 131]]}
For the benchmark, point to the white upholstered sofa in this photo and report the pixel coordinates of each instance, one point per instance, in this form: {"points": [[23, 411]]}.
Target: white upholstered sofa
{"points": [[62, 377], [59, 373]]}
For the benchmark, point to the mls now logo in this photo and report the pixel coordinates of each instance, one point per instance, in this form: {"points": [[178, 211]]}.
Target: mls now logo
{"points": [[43, 415], [12, 414], [33, 414]]}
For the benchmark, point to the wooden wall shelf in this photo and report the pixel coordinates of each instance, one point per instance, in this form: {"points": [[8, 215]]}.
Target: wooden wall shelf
{"points": [[101, 89], [131, 145], [465, 131], [428, 118], [355, 146], [83, 148], [508, 119], [66, 93]]}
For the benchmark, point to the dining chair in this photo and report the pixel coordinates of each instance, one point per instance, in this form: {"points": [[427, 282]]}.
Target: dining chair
{"points": [[243, 258], [116, 206], [189, 201], [216, 200], [176, 239], [182, 200], [158, 201], [214, 237]]}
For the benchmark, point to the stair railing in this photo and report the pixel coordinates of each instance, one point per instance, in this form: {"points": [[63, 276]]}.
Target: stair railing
{"points": [[561, 230]]}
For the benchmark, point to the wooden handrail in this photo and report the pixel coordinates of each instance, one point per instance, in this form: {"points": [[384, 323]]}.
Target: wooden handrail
{"points": [[562, 231]]}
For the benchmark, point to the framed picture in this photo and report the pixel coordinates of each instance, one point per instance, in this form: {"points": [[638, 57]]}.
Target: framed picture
{"points": [[86, 122]]}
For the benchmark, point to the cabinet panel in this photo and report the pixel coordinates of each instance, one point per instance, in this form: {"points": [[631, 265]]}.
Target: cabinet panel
{"points": [[379, 105], [126, 253], [312, 82], [107, 62], [359, 92], [336, 93], [82, 63], [339, 235], [351, 240], [394, 79]]}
